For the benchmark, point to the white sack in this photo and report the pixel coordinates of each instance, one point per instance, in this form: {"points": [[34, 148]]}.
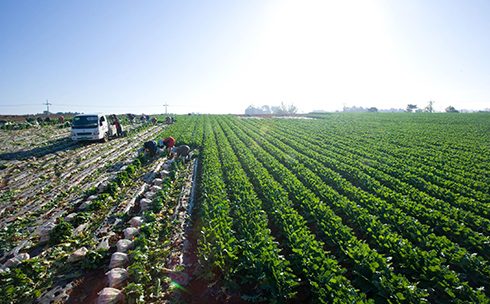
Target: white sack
{"points": [[117, 277], [149, 194], [136, 221], [157, 181], [78, 255], [145, 204], [119, 260], [124, 245], [155, 188], [130, 233], [110, 295]]}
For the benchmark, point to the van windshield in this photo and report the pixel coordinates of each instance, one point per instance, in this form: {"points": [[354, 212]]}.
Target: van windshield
{"points": [[80, 122]]}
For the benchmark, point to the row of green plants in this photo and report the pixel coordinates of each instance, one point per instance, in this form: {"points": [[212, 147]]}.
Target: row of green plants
{"points": [[367, 269], [260, 265], [217, 243], [441, 184], [322, 278], [453, 148], [444, 219], [392, 189], [413, 261], [148, 277]]}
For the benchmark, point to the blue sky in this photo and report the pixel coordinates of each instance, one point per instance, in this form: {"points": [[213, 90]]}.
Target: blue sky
{"points": [[222, 56]]}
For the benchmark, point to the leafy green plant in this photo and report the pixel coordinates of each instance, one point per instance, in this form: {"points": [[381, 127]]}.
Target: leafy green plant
{"points": [[60, 233], [94, 259], [134, 293]]}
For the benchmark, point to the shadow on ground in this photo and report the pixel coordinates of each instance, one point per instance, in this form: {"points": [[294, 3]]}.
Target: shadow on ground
{"points": [[63, 144]]}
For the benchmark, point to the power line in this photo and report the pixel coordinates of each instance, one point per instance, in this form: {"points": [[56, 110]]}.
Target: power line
{"points": [[19, 105]]}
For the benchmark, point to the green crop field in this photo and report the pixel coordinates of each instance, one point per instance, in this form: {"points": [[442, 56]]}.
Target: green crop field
{"points": [[349, 208], [332, 208]]}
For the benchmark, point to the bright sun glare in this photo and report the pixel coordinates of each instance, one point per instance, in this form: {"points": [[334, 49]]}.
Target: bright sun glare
{"points": [[324, 52]]}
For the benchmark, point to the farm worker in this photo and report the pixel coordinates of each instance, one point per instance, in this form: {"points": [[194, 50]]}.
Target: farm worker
{"points": [[169, 143], [131, 117], [61, 119], [181, 151], [150, 148], [118, 125]]}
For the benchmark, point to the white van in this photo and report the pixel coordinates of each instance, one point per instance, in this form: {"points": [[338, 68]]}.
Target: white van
{"points": [[91, 127]]}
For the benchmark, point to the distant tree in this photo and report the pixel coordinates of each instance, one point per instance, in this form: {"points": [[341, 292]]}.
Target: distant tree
{"points": [[451, 109], [373, 109], [283, 109], [292, 109], [276, 110], [280, 110], [429, 108], [251, 110], [266, 109], [263, 110], [411, 107]]}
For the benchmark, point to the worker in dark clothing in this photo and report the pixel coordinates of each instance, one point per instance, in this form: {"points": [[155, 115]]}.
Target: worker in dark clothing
{"points": [[151, 148]]}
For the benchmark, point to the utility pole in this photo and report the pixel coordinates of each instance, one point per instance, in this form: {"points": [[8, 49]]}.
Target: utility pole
{"points": [[165, 105], [47, 104]]}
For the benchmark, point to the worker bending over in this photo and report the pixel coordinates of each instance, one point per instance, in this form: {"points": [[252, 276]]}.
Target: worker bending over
{"points": [[181, 151], [151, 148], [168, 143]]}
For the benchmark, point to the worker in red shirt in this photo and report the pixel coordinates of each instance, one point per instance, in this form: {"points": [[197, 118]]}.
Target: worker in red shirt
{"points": [[117, 124], [168, 143]]}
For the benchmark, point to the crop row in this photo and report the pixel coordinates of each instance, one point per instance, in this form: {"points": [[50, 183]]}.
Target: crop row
{"points": [[259, 264], [394, 190], [367, 269], [412, 229], [415, 263], [444, 180], [442, 184]]}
